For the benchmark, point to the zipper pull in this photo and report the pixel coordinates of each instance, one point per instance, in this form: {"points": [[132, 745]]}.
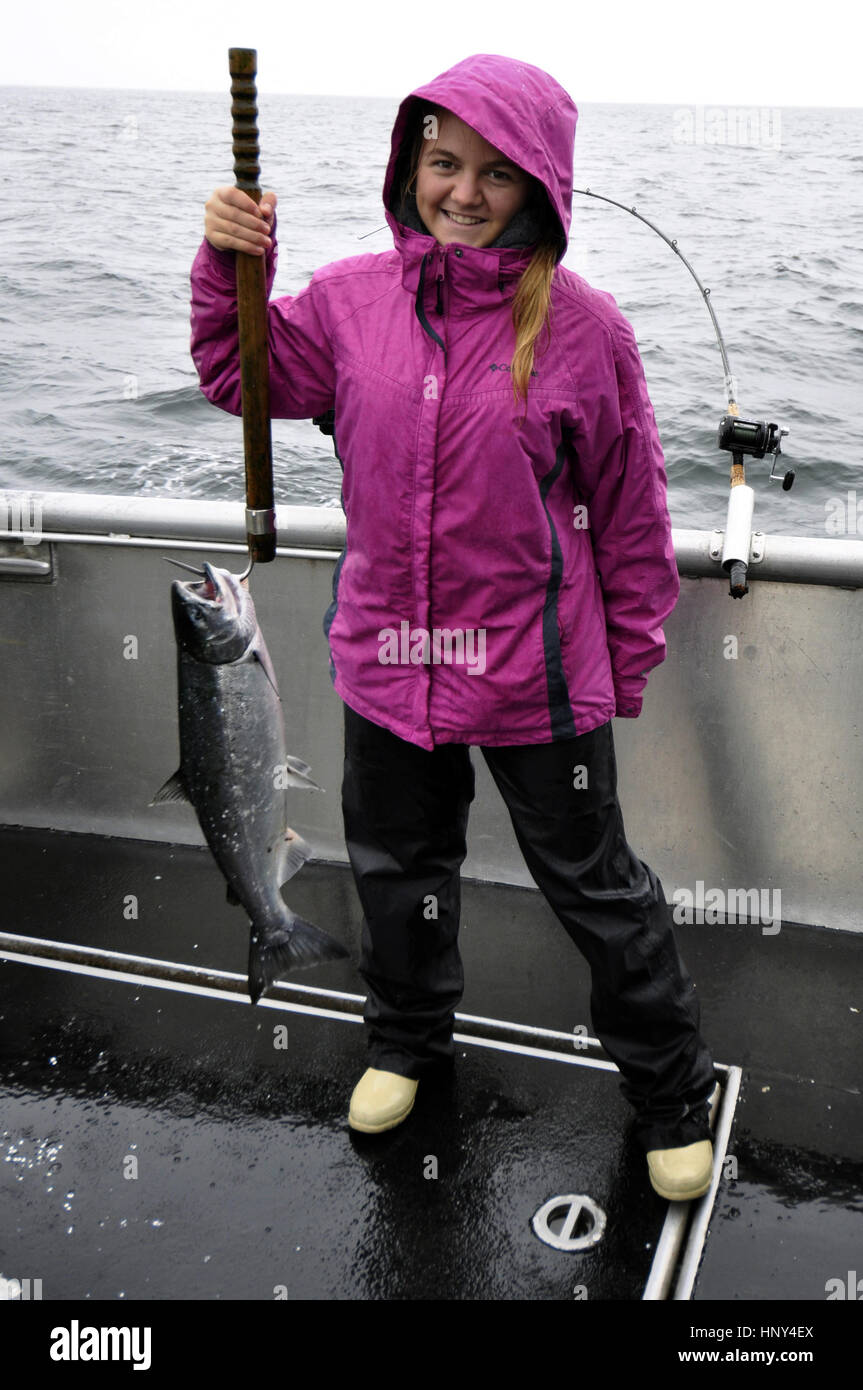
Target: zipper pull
{"points": [[442, 250]]}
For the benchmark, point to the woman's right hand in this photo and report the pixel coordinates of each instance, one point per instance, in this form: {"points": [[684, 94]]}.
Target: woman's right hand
{"points": [[235, 222]]}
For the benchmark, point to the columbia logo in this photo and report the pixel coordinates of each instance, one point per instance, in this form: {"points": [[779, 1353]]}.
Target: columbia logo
{"points": [[505, 367]]}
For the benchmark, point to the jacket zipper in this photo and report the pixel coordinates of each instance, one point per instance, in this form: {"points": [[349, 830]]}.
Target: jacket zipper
{"points": [[420, 313]]}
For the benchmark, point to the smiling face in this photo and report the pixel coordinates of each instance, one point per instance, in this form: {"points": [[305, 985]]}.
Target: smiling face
{"points": [[466, 190]]}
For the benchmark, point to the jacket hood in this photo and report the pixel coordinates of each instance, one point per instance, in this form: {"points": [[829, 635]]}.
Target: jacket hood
{"points": [[516, 107]]}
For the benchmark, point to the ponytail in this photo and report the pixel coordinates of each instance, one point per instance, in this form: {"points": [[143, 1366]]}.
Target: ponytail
{"points": [[531, 312]]}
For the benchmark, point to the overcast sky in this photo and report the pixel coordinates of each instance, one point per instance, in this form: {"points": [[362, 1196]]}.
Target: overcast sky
{"points": [[742, 52]]}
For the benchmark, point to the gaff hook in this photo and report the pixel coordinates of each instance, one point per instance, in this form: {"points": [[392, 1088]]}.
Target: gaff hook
{"points": [[180, 565], [202, 574]]}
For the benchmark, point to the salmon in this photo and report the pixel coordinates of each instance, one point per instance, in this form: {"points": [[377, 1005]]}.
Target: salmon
{"points": [[235, 770]]}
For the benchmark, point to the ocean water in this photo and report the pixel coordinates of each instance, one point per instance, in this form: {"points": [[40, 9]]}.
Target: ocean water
{"points": [[101, 215]]}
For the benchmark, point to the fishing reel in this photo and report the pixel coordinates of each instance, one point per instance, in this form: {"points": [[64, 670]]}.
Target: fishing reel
{"points": [[755, 438]]}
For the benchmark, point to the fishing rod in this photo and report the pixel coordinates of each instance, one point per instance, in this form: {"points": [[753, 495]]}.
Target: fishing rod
{"points": [[739, 437]]}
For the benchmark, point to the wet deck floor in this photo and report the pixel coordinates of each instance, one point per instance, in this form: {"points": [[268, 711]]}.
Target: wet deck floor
{"points": [[204, 1161], [247, 1179]]}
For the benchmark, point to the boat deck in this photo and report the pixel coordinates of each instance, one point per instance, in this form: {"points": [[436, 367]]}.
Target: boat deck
{"points": [[162, 1139]]}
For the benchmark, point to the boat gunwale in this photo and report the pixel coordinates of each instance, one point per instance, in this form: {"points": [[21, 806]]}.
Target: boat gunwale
{"points": [[319, 532]]}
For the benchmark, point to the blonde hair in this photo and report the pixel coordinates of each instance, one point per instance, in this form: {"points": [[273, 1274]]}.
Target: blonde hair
{"points": [[531, 307], [531, 312]]}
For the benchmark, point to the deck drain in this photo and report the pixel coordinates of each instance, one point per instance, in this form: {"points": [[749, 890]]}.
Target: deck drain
{"points": [[579, 1221]]}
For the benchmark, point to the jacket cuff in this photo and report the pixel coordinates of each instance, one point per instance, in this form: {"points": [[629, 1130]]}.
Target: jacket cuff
{"points": [[627, 707], [629, 697], [223, 263]]}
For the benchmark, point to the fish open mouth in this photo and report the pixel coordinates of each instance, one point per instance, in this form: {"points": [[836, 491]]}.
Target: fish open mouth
{"points": [[217, 587], [209, 588]]}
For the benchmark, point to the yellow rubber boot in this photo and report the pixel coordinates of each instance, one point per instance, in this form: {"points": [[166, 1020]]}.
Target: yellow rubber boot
{"points": [[681, 1175], [381, 1100]]}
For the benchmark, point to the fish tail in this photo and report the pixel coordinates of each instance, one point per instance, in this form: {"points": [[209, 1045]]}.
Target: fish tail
{"points": [[295, 946]]}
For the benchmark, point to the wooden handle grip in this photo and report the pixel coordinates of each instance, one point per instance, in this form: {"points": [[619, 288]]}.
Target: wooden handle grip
{"points": [[252, 311]]}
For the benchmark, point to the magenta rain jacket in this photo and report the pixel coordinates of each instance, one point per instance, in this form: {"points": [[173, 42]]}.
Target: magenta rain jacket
{"points": [[498, 586]]}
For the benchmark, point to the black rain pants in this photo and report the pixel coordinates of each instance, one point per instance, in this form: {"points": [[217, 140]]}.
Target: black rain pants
{"points": [[406, 813]]}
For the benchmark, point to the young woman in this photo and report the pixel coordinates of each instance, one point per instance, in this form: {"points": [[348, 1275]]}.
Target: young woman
{"points": [[507, 569]]}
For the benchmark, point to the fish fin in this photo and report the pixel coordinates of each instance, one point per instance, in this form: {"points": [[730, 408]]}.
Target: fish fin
{"points": [[263, 656], [232, 897], [172, 790], [298, 774], [296, 947], [296, 854]]}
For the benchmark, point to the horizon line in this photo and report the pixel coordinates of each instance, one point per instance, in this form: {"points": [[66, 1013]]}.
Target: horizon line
{"points": [[365, 96]]}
